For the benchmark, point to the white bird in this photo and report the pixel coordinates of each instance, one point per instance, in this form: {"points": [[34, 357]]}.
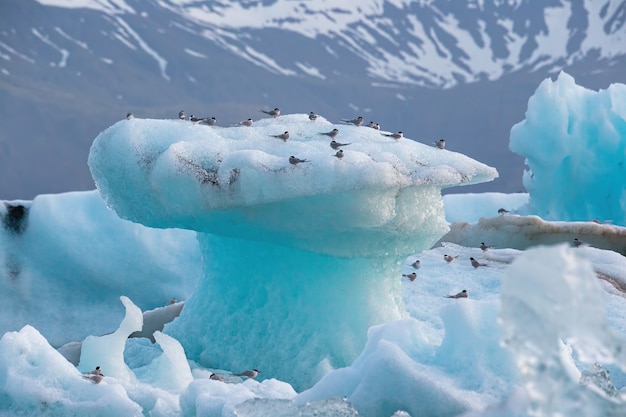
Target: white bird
{"points": [[476, 264], [295, 161], [94, 376], [410, 276], [182, 115], [312, 116], [373, 125], [484, 247], [449, 258], [357, 122], [274, 113], [172, 301], [417, 264], [245, 123], [462, 294], [339, 154], [197, 119], [393, 135], [251, 373], [441, 143], [284, 136], [130, 115], [577, 243], [216, 377], [502, 211], [332, 133], [337, 145]]}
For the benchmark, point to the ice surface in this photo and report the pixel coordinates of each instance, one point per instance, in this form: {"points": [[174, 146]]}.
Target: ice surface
{"points": [[446, 358], [574, 142], [73, 251], [166, 173], [537, 323], [36, 380]]}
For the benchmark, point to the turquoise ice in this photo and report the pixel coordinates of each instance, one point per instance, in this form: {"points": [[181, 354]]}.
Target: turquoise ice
{"points": [[574, 142], [299, 260]]}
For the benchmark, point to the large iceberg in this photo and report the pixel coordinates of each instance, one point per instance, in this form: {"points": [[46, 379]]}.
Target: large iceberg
{"points": [[300, 259]]}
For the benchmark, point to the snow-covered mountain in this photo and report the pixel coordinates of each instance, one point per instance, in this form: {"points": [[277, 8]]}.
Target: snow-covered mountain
{"points": [[456, 69], [397, 42]]}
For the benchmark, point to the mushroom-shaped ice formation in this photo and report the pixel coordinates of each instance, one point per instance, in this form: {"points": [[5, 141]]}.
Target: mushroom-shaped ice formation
{"points": [[300, 259]]}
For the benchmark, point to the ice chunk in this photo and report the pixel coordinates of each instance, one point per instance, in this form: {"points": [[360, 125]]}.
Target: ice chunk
{"points": [[170, 371], [574, 142], [551, 297], [205, 397], [108, 351], [36, 380]]}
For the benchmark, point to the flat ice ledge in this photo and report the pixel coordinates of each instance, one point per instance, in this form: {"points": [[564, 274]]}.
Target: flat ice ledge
{"points": [[159, 172], [238, 182]]}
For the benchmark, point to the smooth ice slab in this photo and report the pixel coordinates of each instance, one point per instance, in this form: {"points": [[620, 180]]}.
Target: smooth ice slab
{"points": [[239, 182]]}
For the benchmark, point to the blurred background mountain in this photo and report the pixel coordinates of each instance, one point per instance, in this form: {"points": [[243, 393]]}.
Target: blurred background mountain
{"points": [[459, 70]]}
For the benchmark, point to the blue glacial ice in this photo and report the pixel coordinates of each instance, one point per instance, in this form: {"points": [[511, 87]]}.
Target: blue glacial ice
{"points": [[574, 142], [300, 259], [541, 334]]}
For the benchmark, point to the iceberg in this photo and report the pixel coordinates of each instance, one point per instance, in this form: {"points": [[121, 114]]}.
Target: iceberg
{"points": [[300, 259], [574, 142]]}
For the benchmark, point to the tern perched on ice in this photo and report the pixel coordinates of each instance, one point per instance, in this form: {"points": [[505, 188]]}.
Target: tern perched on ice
{"points": [[417, 264], [245, 123], [130, 115], [216, 377], [357, 122], [333, 133], [295, 161], [410, 276], [197, 119], [393, 135], [312, 116], [284, 136], [449, 258], [339, 154], [182, 115], [373, 125], [502, 211], [336, 145], [484, 247], [94, 376], [251, 373], [209, 121], [577, 243], [274, 113], [441, 143], [462, 294], [476, 264]]}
